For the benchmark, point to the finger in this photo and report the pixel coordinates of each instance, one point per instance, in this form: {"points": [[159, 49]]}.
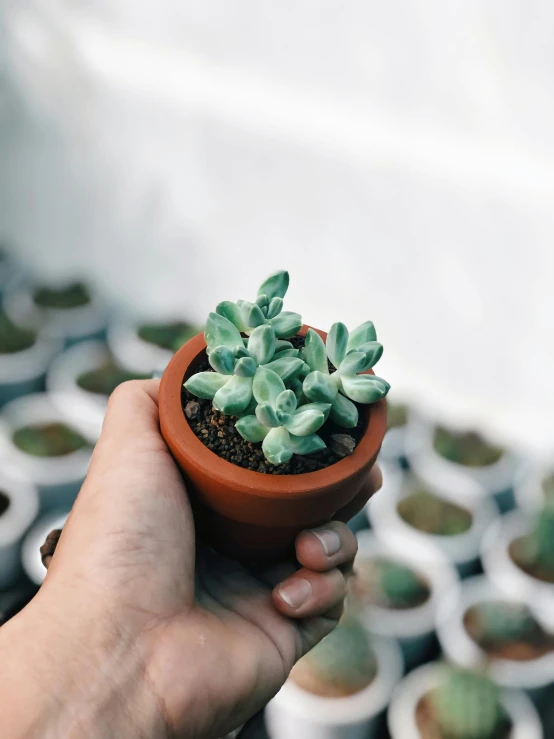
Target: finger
{"points": [[329, 546], [307, 594], [373, 483]]}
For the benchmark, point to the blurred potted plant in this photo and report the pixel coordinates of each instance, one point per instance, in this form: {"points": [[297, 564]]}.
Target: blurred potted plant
{"points": [[18, 510], [399, 444], [399, 592], [275, 430], [482, 627], [535, 488], [68, 310], [408, 511], [448, 457], [81, 380], [31, 551], [339, 689], [147, 346], [440, 702], [11, 272], [51, 453]]}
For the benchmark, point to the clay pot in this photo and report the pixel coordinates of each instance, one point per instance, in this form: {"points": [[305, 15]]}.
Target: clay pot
{"points": [[252, 515]]}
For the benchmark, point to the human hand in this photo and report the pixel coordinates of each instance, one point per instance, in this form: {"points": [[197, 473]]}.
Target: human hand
{"points": [[139, 631]]}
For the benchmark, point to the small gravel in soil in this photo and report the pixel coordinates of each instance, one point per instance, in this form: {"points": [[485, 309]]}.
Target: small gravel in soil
{"points": [[218, 433]]}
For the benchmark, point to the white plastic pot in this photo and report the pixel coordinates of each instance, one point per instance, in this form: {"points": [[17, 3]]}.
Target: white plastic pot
{"points": [[24, 372], [14, 522], [461, 549], [71, 324], [399, 443], [402, 711], [503, 571], [133, 352], [533, 676], [296, 714], [30, 553], [413, 628], [496, 480], [58, 479]]}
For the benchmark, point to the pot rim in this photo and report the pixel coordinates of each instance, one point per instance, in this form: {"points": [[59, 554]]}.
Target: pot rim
{"points": [[179, 436]]}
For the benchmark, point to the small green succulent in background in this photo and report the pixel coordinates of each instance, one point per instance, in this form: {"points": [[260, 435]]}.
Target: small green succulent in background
{"points": [[537, 547], [401, 585], [502, 621], [467, 706]]}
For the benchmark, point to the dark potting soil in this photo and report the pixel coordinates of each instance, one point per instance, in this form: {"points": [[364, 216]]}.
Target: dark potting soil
{"points": [[74, 295], [169, 336], [367, 585], [427, 512], [48, 440], [427, 723], [536, 642], [105, 379], [13, 338], [4, 503], [467, 448], [218, 433], [534, 569]]}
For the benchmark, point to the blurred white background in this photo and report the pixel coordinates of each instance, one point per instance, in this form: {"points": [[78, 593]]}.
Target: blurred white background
{"points": [[397, 158]]}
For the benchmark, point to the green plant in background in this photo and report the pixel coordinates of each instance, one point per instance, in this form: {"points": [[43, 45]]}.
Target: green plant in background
{"points": [[397, 415], [401, 585], [74, 295], [239, 364], [170, 336], [467, 448], [503, 621], [537, 548], [48, 440], [104, 380], [432, 514], [548, 488], [13, 338], [466, 706]]}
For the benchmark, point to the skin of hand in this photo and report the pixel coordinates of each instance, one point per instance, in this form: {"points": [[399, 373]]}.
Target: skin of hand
{"points": [[138, 631]]}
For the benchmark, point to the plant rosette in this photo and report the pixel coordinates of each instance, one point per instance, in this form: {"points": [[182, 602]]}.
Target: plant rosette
{"points": [[503, 620], [18, 509], [296, 713], [69, 311], [147, 345], [462, 549], [246, 412], [400, 591], [534, 487], [492, 468], [415, 687], [53, 454], [505, 573], [80, 382], [30, 551]]}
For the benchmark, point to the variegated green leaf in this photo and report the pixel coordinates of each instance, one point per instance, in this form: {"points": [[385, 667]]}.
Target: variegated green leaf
{"points": [[365, 388], [320, 387], [286, 368], [286, 324], [275, 307], [221, 332], [252, 314], [373, 351], [314, 353], [286, 353], [241, 351], [267, 385], [337, 339], [206, 384], [353, 362], [262, 300], [251, 429], [325, 408], [302, 424], [222, 359], [246, 367], [361, 335], [250, 409], [277, 447], [266, 414], [297, 389], [343, 412], [234, 396], [276, 285], [306, 444], [286, 401], [261, 343], [282, 344], [231, 311]]}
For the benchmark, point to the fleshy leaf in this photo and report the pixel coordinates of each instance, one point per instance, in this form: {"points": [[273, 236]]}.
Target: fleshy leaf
{"points": [[261, 343], [287, 324], [221, 332], [343, 412], [231, 311], [275, 307], [276, 285], [353, 362], [314, 353], [266, 414], [297, 389], [361, 335], [365, 388], [283, 344], [337, 339], [262, 300], [267, 385], [373, 351], [325, 408], [252, 314], [234, 396], [286, 353], [277, 447], [286, 368], [246, 367], [320, 387], [206, 384], [286, 402], [251, 429], [250, 409], [306, 444], [302, 424], [222, 359]]}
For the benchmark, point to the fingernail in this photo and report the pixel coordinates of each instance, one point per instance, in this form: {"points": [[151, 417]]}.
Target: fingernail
{"points": [[330, 540], [296, 592]]}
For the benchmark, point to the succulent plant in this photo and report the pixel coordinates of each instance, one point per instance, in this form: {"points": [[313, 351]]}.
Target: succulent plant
{"points": [[466, 706], [350, 354], [73, 295], [537, 547], [48, 440], [504, 621], [401, 585]]}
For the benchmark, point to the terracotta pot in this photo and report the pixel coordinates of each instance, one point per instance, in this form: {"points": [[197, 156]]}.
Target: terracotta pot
{"points": [[252, 515]]}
